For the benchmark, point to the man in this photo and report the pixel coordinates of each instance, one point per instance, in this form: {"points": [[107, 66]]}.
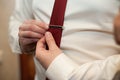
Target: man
{"points": [[88, 48]]}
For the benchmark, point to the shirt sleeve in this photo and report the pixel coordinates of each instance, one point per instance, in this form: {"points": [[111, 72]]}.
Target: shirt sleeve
{"points": [[22, 12], [63, 68]]}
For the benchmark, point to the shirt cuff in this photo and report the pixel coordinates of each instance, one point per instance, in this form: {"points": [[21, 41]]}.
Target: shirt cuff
{"points": [[61, 68]]}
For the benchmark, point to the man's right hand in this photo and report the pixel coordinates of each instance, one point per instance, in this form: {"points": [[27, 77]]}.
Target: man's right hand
{"points": [[29, 33]]}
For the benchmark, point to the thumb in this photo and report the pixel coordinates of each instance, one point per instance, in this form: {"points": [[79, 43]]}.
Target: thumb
{"points": [[50, 41], [41, 43], [40, 47]]}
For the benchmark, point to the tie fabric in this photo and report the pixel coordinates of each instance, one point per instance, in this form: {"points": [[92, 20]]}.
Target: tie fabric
{"points": [[57, 20]]}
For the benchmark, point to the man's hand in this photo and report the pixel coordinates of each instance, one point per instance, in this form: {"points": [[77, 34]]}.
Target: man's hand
{"points": [[29, 33], [44, 56], [117, 28]]}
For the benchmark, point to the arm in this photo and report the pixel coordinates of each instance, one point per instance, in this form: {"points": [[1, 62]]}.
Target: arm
{"points": [[66, 69], [61, 67]]}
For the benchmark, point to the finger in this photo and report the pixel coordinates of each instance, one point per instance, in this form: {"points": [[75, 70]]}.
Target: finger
{"points": [[40, 48], [29, 34], [41, 44], [38, 23], [28, 40], [32, 27], [50, 41]]}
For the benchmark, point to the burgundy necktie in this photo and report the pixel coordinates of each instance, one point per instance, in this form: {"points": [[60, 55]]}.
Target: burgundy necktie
{"points": [[57, 20]]}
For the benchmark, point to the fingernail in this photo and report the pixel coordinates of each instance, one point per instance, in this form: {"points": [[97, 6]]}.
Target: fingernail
{"points": [[48, 34]]}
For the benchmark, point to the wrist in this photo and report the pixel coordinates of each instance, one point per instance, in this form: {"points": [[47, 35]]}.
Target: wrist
{"points": [[29, 48]]}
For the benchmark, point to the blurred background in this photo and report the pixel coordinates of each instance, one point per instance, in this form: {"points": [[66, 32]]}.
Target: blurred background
{"points": [[9, 62], [12, 66]]}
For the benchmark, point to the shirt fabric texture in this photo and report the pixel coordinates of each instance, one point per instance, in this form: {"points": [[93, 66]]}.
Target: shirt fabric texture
{"points": [[88, 45]]}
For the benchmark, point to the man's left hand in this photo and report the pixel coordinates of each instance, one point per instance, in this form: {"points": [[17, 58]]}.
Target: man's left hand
{"points": [[45, 56]]}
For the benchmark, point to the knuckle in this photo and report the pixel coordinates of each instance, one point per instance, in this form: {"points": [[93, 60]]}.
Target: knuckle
{"points": [[31, 27], [44, 25], [29, 33], [22, 26]]}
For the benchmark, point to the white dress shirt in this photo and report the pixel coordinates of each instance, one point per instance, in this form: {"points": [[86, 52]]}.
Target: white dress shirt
{"points": [[89, 48]]}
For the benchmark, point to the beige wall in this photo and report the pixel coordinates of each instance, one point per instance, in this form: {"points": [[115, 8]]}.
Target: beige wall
{"points": [[9, 67]]}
